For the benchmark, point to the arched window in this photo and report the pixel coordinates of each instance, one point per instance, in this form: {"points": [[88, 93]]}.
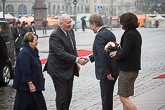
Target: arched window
{"points": [[62, 7], [10, 9], [0, 8], [32, 11], [70, 9], [81, 8], [58, 9], [49, 10], [54, 10], [78, 9], [66, 8], [22, 11]]}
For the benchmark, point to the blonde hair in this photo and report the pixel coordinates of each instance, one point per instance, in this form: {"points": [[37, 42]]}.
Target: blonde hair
{"points": [[29, 37]]}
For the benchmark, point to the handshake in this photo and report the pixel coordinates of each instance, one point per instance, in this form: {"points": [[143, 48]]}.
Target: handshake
{"points": [[83, 60]]}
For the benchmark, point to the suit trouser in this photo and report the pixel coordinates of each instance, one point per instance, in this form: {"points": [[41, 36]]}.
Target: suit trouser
{"points": [[107, 88], [63, 90]]}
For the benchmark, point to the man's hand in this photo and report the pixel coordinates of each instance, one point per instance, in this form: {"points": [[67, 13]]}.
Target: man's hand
{"points": [[82, 60], [110, 77], [78, 65]]}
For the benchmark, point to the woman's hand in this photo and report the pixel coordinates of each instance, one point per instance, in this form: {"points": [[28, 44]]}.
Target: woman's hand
{"points": [[110, 77], [113, 53], [32, 87]]}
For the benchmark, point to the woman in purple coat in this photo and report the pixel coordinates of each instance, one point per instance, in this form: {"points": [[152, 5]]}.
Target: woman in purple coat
{"points": [[28, 77]]}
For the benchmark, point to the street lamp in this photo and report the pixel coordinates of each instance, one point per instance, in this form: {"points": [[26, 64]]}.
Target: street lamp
{"points": [[3, 9], [75, 3]]}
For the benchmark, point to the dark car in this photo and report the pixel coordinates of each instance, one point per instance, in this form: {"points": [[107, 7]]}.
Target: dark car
{"points": [[8, 69]]}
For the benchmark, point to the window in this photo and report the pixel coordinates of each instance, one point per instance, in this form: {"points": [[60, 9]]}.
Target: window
{"points": [[49, 10], [81, 8], [62, 7], [78, 9], [32, 11], [54, 10], [58, 9], [0, 8], [70, 9], [22, 11], [10, 9]]}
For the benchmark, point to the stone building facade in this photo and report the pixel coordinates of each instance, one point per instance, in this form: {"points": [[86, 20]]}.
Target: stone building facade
{"points": [[20, 8]]}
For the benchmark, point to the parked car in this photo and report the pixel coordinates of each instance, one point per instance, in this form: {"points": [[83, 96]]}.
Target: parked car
{"points": [[8, 69]]}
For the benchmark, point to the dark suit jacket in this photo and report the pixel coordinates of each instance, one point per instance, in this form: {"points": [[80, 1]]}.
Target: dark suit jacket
{"points": [[3, 52], [17, 37], [62, 57], [32, 29], [129, 56], [104, 64]]}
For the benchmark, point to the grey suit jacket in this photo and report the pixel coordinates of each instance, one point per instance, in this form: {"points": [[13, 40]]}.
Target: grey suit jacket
{"points": [[104, 64], [62, 57]]}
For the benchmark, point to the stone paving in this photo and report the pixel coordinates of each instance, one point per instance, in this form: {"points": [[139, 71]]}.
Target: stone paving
{"points": [[86, 91]]}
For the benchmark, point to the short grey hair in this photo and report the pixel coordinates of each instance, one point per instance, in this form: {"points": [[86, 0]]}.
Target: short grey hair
{"points": [[62, 18], [95, 18]]}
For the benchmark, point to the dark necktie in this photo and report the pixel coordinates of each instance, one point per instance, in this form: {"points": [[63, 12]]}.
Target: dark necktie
{"points": [[68, 35]]}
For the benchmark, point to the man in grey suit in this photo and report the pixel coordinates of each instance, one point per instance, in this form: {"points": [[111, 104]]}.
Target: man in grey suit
{"points": [[63, 62], [105, 66]]}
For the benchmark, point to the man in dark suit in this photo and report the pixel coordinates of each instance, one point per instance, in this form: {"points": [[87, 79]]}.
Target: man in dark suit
{"points": [[63, 62], [32, 28], [105, 66], [11, 27], [17, 37], [24, 30]]}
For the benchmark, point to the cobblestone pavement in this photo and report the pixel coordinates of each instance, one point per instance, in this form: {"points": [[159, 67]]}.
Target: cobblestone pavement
{"points": [[86, 91]]}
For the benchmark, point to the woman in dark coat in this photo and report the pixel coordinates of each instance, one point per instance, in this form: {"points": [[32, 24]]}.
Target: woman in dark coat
{"points": [[28, 77], [128, 59]]}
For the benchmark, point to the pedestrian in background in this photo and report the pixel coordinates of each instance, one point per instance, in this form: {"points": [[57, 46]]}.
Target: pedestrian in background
{"points": [[63, 62], [23, 25], [83, 24], [157, 23], [105, 66], [11, 27], [28, 78], [44, 26], [24, 30], [17, 37], [32, 27], [128, 59], [4, 57]]}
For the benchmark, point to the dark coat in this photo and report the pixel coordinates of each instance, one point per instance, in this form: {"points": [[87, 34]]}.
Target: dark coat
{"points": [[62, 57], [23, 32], [104, 64], [3, 52], [129, 56], [32, 29], [17, 37], [28, 68]]}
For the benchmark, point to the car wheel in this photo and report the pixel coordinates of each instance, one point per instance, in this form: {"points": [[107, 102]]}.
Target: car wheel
{"points": [[5, 76]]}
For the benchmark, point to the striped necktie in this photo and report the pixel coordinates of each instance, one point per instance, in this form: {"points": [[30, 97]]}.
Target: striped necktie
{"points": [[68, 35]]}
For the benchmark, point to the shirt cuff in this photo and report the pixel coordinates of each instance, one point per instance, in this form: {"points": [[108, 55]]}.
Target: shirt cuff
{"points": [[77, 59]]}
